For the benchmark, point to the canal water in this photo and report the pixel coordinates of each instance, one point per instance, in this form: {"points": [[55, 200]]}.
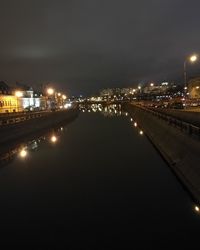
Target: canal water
{"points": [[95, 183]]}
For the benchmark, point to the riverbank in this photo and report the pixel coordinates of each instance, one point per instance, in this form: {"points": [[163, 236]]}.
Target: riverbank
{"points": [[181, 151]]}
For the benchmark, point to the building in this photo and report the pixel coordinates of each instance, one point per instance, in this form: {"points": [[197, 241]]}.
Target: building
{"points": [[9, 103], [20, 98], [194, 88]]}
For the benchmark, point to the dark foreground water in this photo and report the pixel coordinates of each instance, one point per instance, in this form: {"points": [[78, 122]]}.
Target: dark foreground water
{"points": [[97, 184]]}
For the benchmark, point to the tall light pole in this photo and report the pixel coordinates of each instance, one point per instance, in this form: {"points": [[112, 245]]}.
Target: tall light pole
{"points": [[191, 59], [18, 95], [50, 92]]}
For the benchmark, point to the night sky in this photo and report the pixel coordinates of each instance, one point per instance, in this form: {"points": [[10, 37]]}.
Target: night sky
{"points": [[81, 46]]}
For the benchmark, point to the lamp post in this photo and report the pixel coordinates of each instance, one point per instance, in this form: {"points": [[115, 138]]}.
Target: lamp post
{"points": [[50, 92], [18, 94], [191, 59], [64, 97]]}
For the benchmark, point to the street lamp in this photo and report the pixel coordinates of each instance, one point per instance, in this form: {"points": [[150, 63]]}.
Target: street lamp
{"points": [[50, 98], [191, 59], [18, 94], [64, 97], [50, 91]]}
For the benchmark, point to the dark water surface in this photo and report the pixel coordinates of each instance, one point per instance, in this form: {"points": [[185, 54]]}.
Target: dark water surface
{"points": [[100, 185]]}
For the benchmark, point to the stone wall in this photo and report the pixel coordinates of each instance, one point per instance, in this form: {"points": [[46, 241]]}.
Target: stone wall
{"points": [[181, 151]]}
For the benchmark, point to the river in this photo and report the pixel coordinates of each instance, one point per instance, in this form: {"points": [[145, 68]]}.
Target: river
{"points": [[95, 183]]}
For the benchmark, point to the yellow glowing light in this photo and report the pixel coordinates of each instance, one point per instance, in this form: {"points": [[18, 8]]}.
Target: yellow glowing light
{"points": [[141, 132], [131, 119], [139, 87], [193, 58], [135, 124], [64, 97], [50, 91], [197, 209], [151, 84], [197, 87], [23, 153], [53, 138], [18, 93], [59, 94]]}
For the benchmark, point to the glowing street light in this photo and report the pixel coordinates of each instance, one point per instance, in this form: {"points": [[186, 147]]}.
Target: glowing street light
{"points": [[64, 97], [197, 209], [141, 132], [50, 91], [18, 93], [191, 59], [151, 84], [23, 153], [53, 139]]}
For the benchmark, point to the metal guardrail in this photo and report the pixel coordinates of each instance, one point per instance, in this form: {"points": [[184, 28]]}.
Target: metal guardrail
{"points": [[19, 117], [183, 126], [13, 118]]}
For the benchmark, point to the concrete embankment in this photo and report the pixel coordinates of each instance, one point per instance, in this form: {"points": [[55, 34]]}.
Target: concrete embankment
{"points": [[11, 133], [181, 151]]}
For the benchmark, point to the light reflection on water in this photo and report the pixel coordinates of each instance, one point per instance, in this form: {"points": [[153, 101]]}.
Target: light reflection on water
{"points": [[110, 111], [23, 150]]}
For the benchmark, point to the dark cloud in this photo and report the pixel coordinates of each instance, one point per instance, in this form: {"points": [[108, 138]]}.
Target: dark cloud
{"points": [[85, 45]]}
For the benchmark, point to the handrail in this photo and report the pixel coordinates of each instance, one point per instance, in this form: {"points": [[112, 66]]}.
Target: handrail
{"points": [[184, 126]]}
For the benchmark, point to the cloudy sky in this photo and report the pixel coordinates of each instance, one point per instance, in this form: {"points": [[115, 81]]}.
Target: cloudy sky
{"points": [[81, 46]]}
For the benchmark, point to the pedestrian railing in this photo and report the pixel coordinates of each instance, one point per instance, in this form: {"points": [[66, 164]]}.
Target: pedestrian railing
{"points": [[19, 117], [171, 120]]}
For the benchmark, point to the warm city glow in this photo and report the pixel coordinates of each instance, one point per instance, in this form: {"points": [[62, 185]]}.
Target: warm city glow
{"points": [[139, 87], [197, 209], [50, 91], [151, 84], [59, 94], [141, 132], [193, 58], [197, 87], [18, 93], [23, 153], [53, 138], [64, 97], [135, 124], [131, 119]]}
